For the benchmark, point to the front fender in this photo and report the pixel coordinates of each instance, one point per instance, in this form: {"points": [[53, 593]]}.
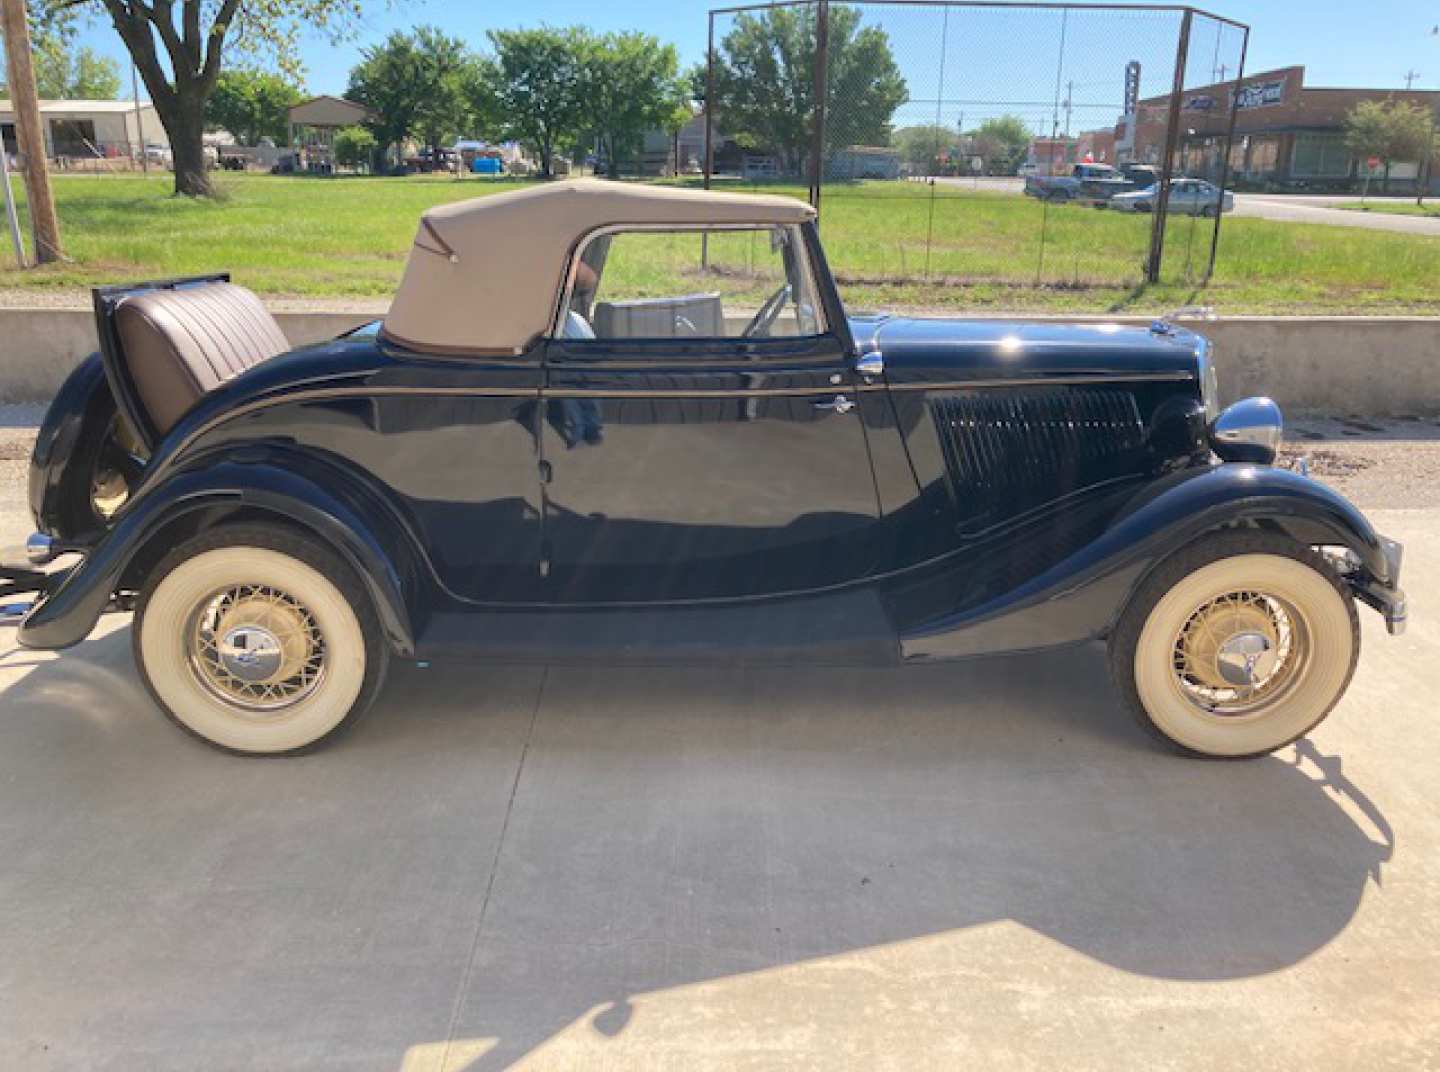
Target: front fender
{"points": [[324, 498], [1082, 596]]}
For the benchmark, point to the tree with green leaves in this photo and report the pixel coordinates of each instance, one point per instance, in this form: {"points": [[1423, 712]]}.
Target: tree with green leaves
{"points": [[62, 73], [178, 45], [422, 85], [765, 82], [354, 146], [630, 85], [447, 66], [926, 148], [1432, 160], [252, 105], [66, 73], [390, 80], [1002, 143], [541, 89], [1392, 131], [479, 82]]}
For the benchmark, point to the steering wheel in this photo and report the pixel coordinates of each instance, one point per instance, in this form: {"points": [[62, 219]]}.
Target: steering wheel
{"points": [[760, 324]]}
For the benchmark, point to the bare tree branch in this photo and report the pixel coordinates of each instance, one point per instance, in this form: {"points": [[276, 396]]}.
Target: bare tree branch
{"points": [[223, 18]]}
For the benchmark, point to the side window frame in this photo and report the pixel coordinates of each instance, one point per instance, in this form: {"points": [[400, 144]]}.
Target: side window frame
{"points": [[799, 249]]}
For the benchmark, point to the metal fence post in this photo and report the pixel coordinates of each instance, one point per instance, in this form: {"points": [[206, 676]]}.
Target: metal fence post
{"points": [[10, 212], [822, 87], [1225, 163], [1167, 167]]}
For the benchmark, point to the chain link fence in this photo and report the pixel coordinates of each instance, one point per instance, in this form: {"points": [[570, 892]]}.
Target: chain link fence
{"points": [[996, 146]]}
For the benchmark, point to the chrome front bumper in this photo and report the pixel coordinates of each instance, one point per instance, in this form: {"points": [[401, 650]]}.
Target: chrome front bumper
{"points": [[1387, 598]]}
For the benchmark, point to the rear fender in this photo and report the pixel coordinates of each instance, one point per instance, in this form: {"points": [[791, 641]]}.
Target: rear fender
{"points": [[1082, 597], [74, 425], [327, 500]]}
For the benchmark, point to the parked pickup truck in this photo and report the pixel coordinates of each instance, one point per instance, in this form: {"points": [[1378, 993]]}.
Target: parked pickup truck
{"points": [[1091, 184]]}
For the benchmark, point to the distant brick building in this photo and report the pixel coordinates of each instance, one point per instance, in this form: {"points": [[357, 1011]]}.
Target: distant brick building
{"points": [[1055, 156], [1287, 134]]}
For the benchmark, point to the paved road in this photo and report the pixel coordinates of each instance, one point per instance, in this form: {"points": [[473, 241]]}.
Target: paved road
{"points": [[981, 865], [1285, 207], [1295, 209]]}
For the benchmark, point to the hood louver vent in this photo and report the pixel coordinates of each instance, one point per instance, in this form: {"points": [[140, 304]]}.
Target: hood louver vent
{"points": [[1009, 451]]}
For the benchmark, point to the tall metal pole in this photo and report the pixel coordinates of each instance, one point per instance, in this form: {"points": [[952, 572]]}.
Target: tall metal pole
{"points": [[139, 122], [822, 90], [1229, 148], [1167, 166], [30, 135], [10, 213], [710, 101]]}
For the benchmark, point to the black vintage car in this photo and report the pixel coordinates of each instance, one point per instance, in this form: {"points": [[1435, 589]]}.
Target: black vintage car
{"points": [[567, 442]]}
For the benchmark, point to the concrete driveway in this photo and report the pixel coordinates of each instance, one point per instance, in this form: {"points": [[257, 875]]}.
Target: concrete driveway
{"points": [[967, 866]]}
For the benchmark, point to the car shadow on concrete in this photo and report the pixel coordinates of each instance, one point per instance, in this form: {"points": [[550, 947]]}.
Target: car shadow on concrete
{"points": [[498, 854]]}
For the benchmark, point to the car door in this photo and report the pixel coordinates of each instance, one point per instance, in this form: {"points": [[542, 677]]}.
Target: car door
{"points": [[709, 465], [1182, 197]]}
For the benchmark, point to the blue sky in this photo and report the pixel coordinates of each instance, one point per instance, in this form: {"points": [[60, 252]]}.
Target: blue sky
{"points": [[996, 62]]}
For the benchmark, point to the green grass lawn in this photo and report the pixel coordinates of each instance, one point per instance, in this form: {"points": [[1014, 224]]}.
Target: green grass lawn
{"points": [[890, 244], [1395, 208]]}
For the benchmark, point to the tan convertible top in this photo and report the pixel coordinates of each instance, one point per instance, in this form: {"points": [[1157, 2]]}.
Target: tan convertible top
{"points": [[484, 275]]}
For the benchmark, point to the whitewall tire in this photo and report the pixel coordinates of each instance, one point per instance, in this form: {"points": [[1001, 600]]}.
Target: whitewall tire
{"points": [[1237, 645], [257, 639]]}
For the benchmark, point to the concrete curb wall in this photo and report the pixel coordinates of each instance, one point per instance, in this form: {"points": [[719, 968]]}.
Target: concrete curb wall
{"points": [[1381, 366], [39, 347]]}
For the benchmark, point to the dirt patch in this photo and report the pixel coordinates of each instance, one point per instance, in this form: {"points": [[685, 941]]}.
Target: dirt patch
{"points": [[1321, 463]]}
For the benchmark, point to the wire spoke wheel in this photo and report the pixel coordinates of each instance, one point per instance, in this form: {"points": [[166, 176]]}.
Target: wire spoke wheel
{"points": [[258, 639], [1236, 645], [256, 647], [1240, 651]]}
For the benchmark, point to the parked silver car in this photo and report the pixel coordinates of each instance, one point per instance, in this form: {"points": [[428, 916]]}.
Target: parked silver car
{"points": [[1190, 197]]}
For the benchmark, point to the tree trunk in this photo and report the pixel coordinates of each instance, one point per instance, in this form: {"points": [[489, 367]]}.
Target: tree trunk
{"points": [[184, 122]]}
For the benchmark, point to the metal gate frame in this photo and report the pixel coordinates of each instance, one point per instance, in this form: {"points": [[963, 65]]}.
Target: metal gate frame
{"points": [[1172, 131]]}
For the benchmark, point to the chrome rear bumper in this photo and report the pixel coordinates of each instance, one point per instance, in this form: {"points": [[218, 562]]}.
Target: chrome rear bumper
{"points": [[25, 581]]}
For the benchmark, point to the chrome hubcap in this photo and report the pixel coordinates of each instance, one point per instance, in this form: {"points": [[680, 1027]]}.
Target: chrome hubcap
{"points": [[1239, 652], [1245, 657], [256, 647], [250, 653]]}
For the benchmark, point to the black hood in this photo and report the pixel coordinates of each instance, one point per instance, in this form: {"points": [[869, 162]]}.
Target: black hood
{"points": [[984, 349]]}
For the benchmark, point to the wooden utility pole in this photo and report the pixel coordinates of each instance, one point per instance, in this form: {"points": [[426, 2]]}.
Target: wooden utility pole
{"points": [[29, 134]]}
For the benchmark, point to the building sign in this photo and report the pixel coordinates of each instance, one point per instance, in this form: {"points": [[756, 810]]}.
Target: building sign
{"points": [[1260, 94], [1132, 86], [1200, 104]]}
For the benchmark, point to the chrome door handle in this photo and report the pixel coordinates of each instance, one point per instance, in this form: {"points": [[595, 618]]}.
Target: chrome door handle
{"points": [[839, 404]]}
